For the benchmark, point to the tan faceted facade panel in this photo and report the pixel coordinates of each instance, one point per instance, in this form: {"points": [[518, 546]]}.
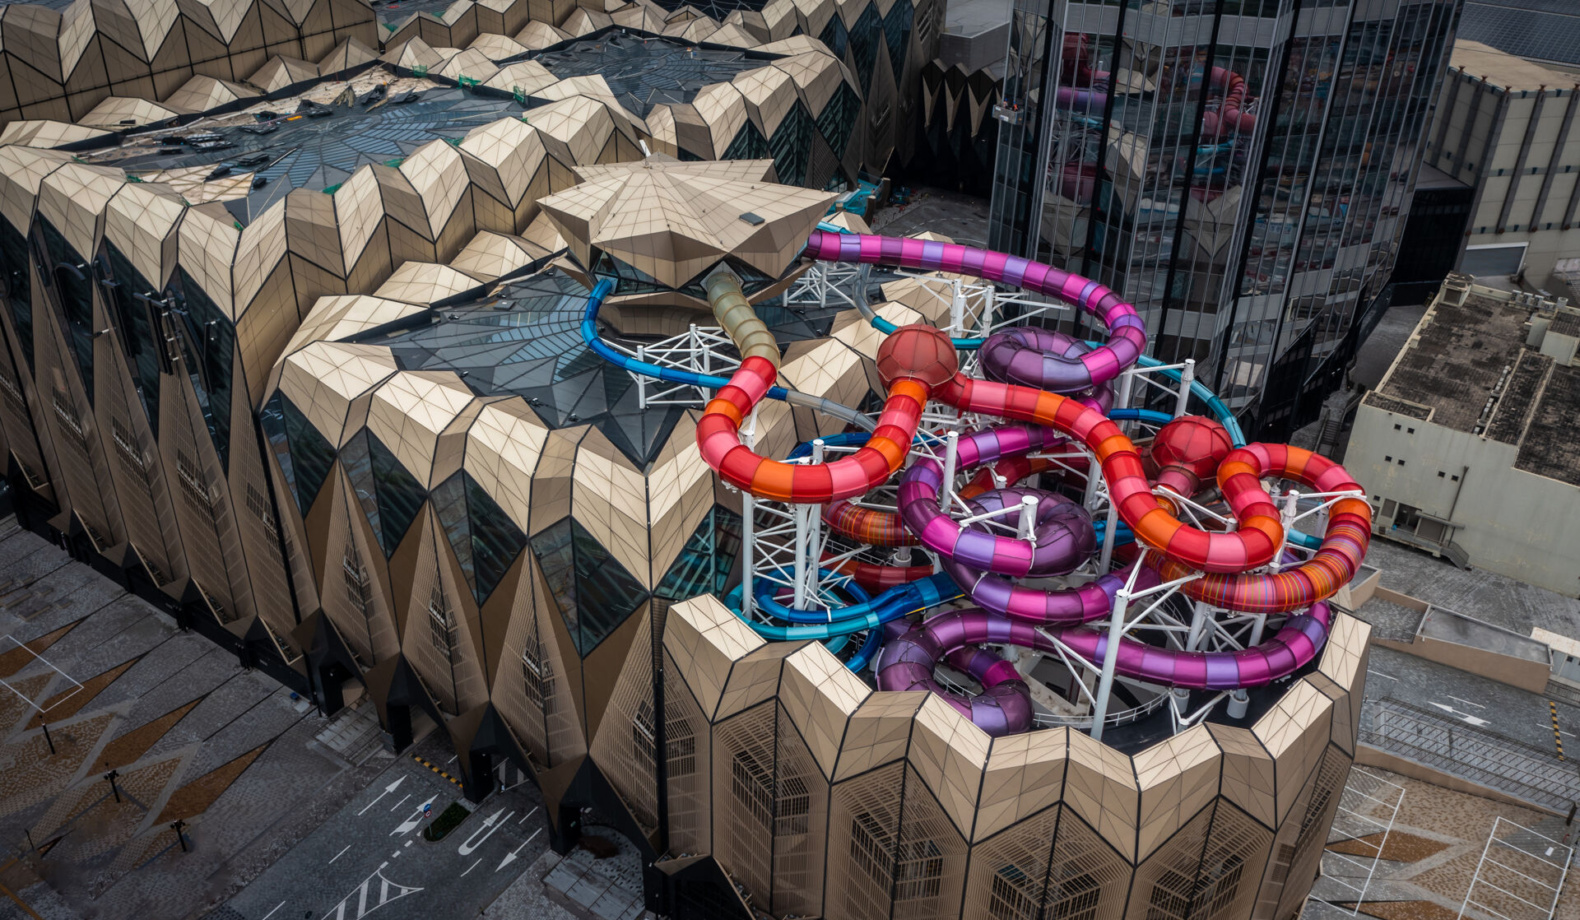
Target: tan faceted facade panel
{"points": [[909, 810], [62, 65], [674, 220]]}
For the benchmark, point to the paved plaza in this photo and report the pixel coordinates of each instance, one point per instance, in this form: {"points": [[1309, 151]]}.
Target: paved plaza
{"points": [[282, 810]]}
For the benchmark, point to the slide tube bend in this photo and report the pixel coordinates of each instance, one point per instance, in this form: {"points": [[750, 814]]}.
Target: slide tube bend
{"points": [[1127, 335]]}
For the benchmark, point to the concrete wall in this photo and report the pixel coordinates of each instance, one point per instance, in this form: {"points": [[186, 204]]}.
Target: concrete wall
{"points": [[1508, 669], [1368, 756], [1482, 135], [1512, 522]]}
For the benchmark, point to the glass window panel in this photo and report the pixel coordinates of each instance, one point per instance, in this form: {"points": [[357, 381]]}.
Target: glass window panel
{"points": [[704, 563], [18, 280], [594, 591], [73, 293], [303, 454], [208, 346]]}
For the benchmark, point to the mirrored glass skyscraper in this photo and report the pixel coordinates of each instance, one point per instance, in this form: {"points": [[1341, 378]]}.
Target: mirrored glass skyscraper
{"points": [[1239, 169]]}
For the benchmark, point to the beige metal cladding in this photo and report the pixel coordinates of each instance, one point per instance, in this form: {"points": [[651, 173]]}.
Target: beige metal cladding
{"points": [[673, 220], [833, 800], [738, 317], [62, 64]]}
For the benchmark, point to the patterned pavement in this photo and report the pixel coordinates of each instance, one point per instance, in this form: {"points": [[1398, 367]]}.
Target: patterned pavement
{"points": [[189, 735]]}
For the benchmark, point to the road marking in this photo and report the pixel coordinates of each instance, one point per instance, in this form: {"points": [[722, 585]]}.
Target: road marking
{"points": [[387, 790], [1467, 702], [411, 823], [490, 825], [528, 815], [271, 913], [1463, 716], [338, 855], [437, 770], [511, 856], [401, 802], [450, 761], [386, 892], [471, 867], [1558, 738]]}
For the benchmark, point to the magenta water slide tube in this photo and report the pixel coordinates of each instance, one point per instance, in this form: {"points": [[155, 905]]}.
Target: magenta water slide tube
{"points": [[1043, 359], [1004, 707]]}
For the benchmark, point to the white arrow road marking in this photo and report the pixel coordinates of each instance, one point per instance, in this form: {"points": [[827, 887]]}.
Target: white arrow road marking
{"points": [[511, 856], [387, 790], [410, 824], [490, 825], [1463, 716]]}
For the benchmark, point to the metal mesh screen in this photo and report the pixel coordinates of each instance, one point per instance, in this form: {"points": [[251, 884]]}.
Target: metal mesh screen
{"points": [[800, 826], [929, 871], [1088, 879], [1166, 883], [863, 824], [686, 732], [1315, 819], [625, 748], [743, 772], [1236, 851], [1009, 871]]}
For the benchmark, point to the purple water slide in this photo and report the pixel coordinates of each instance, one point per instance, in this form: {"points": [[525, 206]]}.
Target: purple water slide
{"points": [[1045, 360], [1062, 530], [906, 662], [1004, 707], [1127, 334]]}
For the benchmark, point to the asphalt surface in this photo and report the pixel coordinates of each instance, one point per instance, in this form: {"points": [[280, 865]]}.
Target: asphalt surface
{"points": [[371, 856]]}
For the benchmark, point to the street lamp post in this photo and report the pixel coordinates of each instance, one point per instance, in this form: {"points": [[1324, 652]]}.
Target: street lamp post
{"points": [[113, 789]]}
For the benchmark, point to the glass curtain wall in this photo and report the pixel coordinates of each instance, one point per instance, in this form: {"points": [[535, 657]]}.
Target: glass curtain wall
{"points": [[1238, 169]]}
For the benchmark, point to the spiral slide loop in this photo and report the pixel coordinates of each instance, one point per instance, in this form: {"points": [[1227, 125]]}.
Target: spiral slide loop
{"points": [[1055, 388]]}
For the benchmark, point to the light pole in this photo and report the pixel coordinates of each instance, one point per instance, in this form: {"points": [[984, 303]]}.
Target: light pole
{"points": [[113, 789]]}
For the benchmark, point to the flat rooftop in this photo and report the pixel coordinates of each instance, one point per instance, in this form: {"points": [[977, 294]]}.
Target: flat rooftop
{"points": [[1501, 68], [1487, 596], [1467, 367]]}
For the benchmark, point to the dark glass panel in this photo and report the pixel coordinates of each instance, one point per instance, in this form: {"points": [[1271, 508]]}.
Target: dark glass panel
{"points": [[208, 348], [74, 293], [704, 564], [303, 454], [791, 145], [748, 144], [864, 37], [594, 591], [136, 325], [18, 280], [838, 119], [358, 465], [897, 32], [485, 539], [400, 495]]}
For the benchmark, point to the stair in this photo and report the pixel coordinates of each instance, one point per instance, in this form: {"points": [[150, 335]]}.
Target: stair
{"points": [[1456, 554]]}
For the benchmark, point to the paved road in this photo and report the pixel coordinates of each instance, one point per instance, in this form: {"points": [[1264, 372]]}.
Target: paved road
{"points": [[1476, 701], [371, 855]]}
